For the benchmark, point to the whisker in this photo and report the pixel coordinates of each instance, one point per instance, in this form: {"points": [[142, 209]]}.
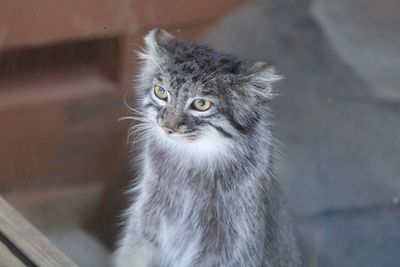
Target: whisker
{"points": [[132, 118], [209, 75], [212, 73], [137, 134], [214, 79], [126, 103]]}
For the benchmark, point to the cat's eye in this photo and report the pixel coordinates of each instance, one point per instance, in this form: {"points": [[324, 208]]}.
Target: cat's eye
{"points": [[201, 104], [160, 92]]}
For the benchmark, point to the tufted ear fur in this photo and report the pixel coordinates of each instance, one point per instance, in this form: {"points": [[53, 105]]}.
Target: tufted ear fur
{"points": [[157, 39], [259, 77], [156, 48], [156, 44]]}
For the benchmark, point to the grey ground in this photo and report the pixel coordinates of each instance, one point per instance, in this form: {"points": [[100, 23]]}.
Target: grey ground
{"points": [[338, 116]]}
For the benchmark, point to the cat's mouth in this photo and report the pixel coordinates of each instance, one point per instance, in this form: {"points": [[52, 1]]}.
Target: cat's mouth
{"points": [[191, 136], [177, 135]]}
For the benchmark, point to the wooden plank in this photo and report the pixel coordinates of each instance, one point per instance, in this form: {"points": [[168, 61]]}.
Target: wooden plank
{"points": [[33, 23], [52, 86], [62, 125], [8, 259], [166, 13], [29, 240], [39, 22], [56, 205]]}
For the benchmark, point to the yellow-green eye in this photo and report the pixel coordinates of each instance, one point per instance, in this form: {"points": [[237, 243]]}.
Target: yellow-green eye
{"points": [[160, 92], [201, 104]]}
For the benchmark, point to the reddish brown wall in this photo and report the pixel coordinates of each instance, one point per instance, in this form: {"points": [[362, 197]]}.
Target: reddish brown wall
{"points": [[64, 68]]}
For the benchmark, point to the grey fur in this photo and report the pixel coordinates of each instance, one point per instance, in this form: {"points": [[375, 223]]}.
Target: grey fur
{"points": [[209, 199]]}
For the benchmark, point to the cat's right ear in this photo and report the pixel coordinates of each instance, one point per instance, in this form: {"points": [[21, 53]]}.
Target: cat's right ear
{"points": [[156, 48], [160, 37], [156, 44], [157, 40]]}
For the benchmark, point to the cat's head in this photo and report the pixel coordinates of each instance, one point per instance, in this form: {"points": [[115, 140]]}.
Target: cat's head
{"points": [[193, 94]]}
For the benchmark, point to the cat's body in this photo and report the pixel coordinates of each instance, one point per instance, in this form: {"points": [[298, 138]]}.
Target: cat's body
{"points": [[207, 196]]}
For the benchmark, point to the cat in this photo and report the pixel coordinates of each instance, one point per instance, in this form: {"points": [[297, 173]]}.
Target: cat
{"points": [[207, 196]]}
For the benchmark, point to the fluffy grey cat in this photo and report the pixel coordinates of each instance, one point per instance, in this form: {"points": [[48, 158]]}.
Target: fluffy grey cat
{"points": [[207, 196]]}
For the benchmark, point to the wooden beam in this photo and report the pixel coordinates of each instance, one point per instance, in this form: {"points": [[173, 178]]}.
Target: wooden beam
{"points": [[29, 240], [27, 23], [7, 258]]}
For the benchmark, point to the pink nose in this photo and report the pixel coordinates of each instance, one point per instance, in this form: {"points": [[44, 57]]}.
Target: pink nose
{"points": [[167, 130]]}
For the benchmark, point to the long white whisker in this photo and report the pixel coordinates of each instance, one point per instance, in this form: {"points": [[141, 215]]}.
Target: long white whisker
{"points": [[132, 118], [137, 132], [213, 79], [209, 75], [126, 103]]}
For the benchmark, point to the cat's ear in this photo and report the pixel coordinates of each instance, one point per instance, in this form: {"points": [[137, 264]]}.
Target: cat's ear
{"points": [[156, 49], [259, 78], [156, 44], [157, 39]]}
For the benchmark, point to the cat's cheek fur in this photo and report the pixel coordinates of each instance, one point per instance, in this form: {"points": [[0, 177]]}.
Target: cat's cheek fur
{"points": [[208, 146]]}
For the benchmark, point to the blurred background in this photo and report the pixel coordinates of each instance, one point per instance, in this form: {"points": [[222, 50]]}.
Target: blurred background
{"points": [[65, 67]]}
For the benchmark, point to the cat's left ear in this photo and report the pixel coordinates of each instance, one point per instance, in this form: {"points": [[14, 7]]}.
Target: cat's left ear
{"points": [[259, 78]]}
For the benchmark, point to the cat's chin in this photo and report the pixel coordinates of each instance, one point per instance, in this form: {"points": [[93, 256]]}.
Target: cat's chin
{"points": [[183, 138], [178, 137], [206, 143]]}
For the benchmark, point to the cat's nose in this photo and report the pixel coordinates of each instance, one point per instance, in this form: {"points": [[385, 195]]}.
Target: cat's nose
{"points": [[167, 130]]}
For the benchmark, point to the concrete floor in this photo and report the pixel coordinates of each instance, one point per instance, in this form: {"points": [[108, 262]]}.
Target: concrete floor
{"points": [[338, 116]]}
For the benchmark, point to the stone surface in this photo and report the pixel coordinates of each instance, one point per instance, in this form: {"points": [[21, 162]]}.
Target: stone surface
{"points": [[81, 247], [366, 237], [367, 36], [341, 144]]}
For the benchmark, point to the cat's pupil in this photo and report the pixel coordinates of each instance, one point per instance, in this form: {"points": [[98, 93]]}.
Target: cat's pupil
{"points": [[201, 102], [162, 90]]}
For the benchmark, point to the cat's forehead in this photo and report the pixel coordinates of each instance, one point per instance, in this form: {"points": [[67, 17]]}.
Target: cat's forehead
{"points": [[196, 63]]}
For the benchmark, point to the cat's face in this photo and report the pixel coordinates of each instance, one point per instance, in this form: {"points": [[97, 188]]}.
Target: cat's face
{"points": [[194, 95], [187, 114]]}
